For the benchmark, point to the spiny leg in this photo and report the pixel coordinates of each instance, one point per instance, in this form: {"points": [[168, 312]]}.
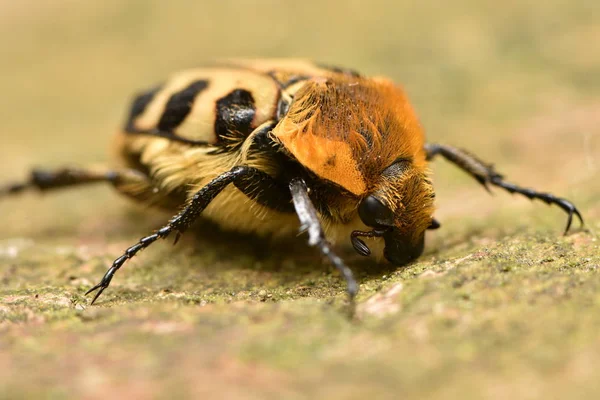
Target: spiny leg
{"points": [[466, 161], [13, 188], [46, 179], [241, 176], [485, 174], [309, 221], [547, 198]]}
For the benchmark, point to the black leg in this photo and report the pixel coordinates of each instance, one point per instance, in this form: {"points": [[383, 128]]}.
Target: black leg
{"points": [[309, 221], [240, 176], [485, 174], [45, 180]]}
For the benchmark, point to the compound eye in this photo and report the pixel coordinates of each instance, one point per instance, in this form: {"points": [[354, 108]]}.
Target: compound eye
{"points": [[373, 213]]}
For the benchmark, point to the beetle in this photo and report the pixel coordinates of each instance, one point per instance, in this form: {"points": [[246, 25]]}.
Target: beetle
{"points": [[269, 147]]}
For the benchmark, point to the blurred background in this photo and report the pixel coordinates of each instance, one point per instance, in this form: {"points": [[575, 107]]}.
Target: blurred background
{"points": [[517, 82]]}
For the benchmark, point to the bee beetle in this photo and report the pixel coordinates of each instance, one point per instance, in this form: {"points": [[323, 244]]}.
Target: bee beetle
{"points": [[273, 146]]}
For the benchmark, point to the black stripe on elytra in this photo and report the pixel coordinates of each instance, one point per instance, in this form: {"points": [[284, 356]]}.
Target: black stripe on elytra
{"points": [[339, 70], [284, 85], [294, 79], [179, 106], [140, 103], [235, 113]]}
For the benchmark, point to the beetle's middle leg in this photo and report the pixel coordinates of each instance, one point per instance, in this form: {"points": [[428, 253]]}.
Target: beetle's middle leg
{"points": [[485, 174]]}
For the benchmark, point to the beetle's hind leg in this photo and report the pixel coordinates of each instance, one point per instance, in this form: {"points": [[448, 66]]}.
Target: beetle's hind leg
{"points": [[45, 180], [486, 175]]}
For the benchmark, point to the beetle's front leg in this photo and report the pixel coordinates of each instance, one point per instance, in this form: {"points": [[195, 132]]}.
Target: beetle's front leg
{"points": [[309, 220], [485, 174]]}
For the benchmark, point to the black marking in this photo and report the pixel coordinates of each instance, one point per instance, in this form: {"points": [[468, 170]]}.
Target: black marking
{"points": [[339, 70], [179, 106], [140, 103], [235, 113], [293, 80], [331, 161]]}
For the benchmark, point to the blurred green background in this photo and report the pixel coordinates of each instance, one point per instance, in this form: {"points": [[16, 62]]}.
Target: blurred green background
{"points": [[500, 305]]}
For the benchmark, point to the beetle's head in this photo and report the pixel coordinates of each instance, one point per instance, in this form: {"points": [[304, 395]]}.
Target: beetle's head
{"points": [[363, 136], [399, 209]]}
